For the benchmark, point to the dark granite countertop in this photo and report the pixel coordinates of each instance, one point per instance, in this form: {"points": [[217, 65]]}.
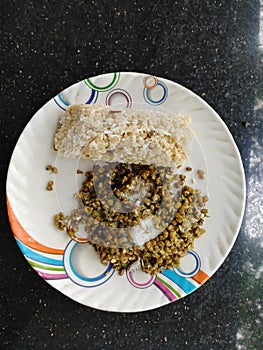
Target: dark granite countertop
{"points": [[213, 48]]}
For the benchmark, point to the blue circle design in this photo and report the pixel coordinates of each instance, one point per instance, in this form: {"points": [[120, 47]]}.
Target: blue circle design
{"points": [[93, 97], [87, 279], [157, 102], [78, 279], [62, 100], [197, 267], [64, 109], [63, 104]]}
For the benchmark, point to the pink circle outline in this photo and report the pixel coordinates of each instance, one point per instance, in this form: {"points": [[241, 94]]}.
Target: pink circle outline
{"points": [[121, 92], [140, 285]]}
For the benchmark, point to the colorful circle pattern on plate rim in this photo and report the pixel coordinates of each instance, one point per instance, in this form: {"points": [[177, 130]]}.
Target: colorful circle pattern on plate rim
{"points": [[171, 283]]}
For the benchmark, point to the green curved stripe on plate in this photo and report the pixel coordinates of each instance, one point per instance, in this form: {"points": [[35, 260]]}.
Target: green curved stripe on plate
{"points": [[116, 77], [50, 268], [168, 286]]}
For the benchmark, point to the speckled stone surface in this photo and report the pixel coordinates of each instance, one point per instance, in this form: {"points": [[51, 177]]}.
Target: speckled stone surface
{"points": [[211, 47]]}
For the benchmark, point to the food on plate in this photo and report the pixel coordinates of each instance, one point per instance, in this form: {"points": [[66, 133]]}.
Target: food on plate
{"points": [[51, 168], [50, 185], [164, 251], [129, 136], [134, 207], [201, 174], [148, 220]]}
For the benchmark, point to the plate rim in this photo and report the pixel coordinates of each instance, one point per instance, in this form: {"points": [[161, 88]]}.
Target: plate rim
{"points": [[233, 144]]}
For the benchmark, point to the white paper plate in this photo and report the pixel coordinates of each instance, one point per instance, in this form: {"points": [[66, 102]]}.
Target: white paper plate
{"points": [[74, 268]]}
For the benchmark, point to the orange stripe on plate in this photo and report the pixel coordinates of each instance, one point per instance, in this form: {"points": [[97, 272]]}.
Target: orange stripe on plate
{"points": [[200, 277], [24, 237]]}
